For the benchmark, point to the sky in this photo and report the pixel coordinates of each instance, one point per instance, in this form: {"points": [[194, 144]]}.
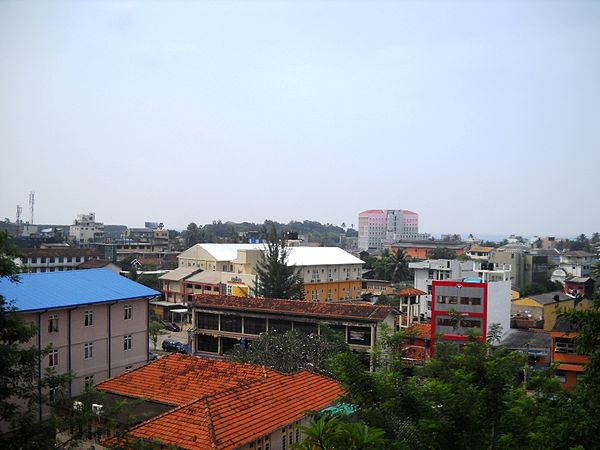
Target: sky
{"points": [[483, 117]]}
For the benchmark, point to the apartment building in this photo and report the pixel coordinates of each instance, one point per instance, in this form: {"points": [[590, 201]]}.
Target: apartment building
{"points": [[527, 266], [219, 322], [378, 227], [570, 365], [426, 272], [86, 229], [54, 259], [329, 273], [471, 304], [96, 322]]}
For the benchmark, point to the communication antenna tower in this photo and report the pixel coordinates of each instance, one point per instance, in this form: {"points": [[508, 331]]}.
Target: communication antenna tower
{"points": [[31, 204], [19, 211]]}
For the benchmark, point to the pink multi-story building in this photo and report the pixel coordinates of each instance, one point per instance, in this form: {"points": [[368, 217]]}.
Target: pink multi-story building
{"points": [[377, 227], [95, 321]]}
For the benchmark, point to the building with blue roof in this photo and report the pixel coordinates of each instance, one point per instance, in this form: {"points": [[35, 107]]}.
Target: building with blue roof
{"points": [[95, 321]]}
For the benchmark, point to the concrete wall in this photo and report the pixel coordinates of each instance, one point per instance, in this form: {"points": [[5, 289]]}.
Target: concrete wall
{"points": [[499, 304]]}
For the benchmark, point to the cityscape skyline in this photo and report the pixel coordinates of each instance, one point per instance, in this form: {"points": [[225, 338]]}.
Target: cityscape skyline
{"points": [[476, 116]]}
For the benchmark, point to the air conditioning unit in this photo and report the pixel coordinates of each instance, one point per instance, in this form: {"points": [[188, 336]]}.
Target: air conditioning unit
{"points": [[96, 408], [77, 406]]}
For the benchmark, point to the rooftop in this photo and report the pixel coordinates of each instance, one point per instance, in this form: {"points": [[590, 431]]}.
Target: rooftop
{"points": [[178, 379], [221, 411], [59, 252], [549, 297], [518, 339], [52, 290], [409, 292], [235, 417], [179, 274], [94, 264], [357, 311], [578, 254], [422, 330], [298, 256]]}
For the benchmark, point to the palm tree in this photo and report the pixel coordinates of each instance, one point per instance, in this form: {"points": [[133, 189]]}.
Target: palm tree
{"points": [[399, 266]]}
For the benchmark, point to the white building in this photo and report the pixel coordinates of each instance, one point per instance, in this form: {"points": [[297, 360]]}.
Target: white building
{"points": [[86, 229]]}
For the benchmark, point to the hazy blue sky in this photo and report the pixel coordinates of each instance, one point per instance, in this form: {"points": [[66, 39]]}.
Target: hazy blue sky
{"points": [[484, 117]]}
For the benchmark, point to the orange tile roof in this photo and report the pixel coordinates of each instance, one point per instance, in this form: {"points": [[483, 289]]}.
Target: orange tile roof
{"points": [[420, 330], [410, 292], [240, 415], [360, 311], [178, 379]]}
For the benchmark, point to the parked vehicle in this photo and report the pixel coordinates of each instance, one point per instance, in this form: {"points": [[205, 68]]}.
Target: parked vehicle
{"points": [[171, 345], [171, 326]]}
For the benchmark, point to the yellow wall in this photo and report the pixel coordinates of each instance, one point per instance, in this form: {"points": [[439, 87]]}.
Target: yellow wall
{"points": [[551, 310], [338, 290]]}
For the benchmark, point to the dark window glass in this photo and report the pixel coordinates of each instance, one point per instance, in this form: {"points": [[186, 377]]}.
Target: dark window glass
{"points": [[470, 323], [227, 344], [359, 335], [307, 328], [208, 344], [252, 325], [280, 326], [207, 321], [339, 329], [231, 323]]}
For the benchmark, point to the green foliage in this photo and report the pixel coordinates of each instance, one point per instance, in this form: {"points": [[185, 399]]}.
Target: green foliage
{"points": [[535, 288], [335, 434], [276, 279], [154, 330], [441, 253], [293, 350], [391, 266]]}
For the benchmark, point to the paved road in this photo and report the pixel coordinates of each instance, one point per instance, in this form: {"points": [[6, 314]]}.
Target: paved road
{"points": [[181, 336]]}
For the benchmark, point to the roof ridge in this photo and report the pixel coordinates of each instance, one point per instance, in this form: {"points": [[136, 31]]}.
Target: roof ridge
{"points": [[211, 426]]}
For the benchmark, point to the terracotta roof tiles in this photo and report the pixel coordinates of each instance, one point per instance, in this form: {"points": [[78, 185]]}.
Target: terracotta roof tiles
{"points": [[177, 379], [410, 292], [359, 311], [241, 415]]}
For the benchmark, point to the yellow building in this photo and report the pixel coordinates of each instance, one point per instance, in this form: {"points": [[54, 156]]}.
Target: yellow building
{"points": [[544, 307], [329, 273]]}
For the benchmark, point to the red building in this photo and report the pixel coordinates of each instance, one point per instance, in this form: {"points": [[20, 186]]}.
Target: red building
{"points": [[462, 306]]}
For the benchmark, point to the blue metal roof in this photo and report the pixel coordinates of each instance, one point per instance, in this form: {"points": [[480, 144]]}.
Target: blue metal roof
{"points": [[51, 290]]}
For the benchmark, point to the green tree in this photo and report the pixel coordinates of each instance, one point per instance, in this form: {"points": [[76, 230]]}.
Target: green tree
{"points": [[293, 350], [277, 279], [441, 253], [155, 329], [335, 434]]}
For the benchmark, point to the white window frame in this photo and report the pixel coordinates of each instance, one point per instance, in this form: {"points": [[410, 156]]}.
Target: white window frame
{"points": [[128, 312], [88, 350], [53, 358], [88, 318], [127, 341]]}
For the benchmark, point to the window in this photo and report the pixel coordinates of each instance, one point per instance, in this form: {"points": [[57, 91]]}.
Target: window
{"points": [[470, 323], [253, 325], [231, 323], [359, 335], [88, 318], [565, 346], [53, 394], [53, 358], [128, 368], [453, 300], [88, 383], [127, 310], [53, 323], [43, 259], [88, 350], [127, 342], [475, 301], [441, 298], [207, 321], [306, 327]]}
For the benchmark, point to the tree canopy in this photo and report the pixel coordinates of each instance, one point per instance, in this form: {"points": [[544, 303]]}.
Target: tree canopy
{"points": [[277, 279]]}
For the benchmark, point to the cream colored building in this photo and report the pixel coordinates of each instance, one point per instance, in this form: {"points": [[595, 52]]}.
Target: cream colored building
{"points": [[329, 273]]}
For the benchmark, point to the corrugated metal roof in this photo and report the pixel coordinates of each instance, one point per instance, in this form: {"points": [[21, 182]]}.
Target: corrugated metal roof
{"points": [[298, 256], [180, 273], [51, 290]]}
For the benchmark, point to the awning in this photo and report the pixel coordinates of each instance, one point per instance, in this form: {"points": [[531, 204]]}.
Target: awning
{"points": [[180, 311], [571, 367]]}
